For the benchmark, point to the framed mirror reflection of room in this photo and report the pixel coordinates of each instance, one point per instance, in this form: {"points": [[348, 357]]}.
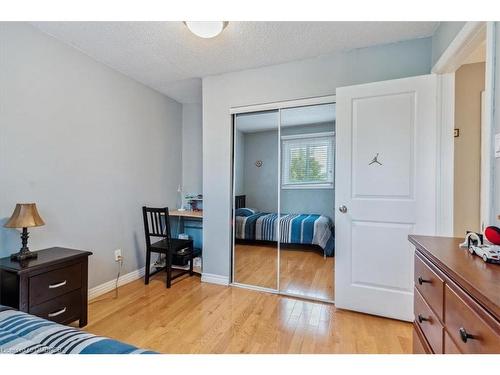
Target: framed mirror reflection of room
{"points": [[283, 200]]}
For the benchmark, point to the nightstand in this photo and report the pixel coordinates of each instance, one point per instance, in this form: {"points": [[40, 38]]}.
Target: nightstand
{"points": [[53, 286]]}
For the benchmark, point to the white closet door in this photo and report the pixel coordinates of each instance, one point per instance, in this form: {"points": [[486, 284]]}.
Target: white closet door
{"points": [[385, 189]]}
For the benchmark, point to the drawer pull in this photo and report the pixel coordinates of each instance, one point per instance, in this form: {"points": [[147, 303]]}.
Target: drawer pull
{"points": [[421, 280], [464, 335], [55, 286], [422, 319], [57, 313]]}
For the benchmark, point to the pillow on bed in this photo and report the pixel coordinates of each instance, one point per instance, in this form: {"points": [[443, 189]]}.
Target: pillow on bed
{"points": [[245, 212]]}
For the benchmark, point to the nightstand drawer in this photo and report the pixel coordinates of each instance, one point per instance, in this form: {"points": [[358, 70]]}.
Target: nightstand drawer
{"points": [[46, 286], [430, 286], [62, 309]]}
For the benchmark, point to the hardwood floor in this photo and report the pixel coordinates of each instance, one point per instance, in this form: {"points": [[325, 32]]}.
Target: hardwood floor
{"points": [[307, 273], [256, 265], [196, 317], [302, 272]]}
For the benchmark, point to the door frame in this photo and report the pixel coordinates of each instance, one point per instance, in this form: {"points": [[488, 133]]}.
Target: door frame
{"points": [[465, 42], [271, 106]]}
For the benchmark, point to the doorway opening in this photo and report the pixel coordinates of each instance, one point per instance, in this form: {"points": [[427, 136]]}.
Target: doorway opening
{"points": [[468, 213]]}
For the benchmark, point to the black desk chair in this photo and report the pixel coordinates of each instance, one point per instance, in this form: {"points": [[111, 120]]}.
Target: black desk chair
{"points": [[157, 224]]}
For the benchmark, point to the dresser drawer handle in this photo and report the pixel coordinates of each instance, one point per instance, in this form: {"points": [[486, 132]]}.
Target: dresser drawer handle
{"points": [[57, 313], [55, 286], [422, 319], [421, 280], [464, 335]]}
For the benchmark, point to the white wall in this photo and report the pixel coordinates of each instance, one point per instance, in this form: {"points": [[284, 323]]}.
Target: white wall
{"points": [[87, 144], [192, 149], [307, 78]]}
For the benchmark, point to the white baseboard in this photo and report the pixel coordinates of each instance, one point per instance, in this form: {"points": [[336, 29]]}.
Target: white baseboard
{"points": [[214, 279], [110, 285], [137, 274]]}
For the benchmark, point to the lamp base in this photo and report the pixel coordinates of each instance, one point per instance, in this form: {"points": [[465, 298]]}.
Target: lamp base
{"points": [[25, 252], [23, 255]]}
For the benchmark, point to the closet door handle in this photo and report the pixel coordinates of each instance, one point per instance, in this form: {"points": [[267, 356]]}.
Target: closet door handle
{"points": [[343, 209]]}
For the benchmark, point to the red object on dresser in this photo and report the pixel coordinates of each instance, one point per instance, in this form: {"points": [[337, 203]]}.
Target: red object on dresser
{"points": [[492, 234]]}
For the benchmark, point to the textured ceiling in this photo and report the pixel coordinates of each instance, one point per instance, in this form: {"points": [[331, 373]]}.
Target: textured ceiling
{"points": [[169, 58]]}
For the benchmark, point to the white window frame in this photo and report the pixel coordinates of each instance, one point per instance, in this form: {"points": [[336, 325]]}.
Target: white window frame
{"points": [[286, 162]]}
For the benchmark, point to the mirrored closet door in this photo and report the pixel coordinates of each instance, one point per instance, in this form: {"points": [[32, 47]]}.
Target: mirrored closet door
{"points": [[307, 201], [283, 203], [255, 205]]}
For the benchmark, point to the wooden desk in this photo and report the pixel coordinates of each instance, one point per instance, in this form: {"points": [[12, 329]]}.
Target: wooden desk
{"points": [[182, 215], [187, 213]]}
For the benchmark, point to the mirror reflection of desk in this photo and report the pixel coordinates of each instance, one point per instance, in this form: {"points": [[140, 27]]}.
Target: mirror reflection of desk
{"points": [[188, 222]]}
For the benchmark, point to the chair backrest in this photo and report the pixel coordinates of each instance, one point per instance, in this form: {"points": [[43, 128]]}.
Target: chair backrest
{"points": [[156, 223]]}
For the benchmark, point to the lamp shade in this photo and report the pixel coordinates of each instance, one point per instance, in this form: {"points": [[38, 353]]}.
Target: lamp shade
{"points": [[25, 215]]}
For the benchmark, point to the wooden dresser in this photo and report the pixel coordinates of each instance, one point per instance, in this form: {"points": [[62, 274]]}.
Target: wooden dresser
{"points": [[53, 286], [457, 299]]}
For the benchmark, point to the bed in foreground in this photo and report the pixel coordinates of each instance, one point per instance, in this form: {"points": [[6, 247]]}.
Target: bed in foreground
{"points": [[308, 229], [22, 333]]}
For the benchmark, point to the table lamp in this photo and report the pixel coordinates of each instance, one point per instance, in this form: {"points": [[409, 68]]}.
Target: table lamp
{"points": [[25, 216]]}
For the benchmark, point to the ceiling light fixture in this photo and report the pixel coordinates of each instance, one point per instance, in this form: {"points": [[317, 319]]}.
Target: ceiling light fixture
{"points": [[206, 29]]}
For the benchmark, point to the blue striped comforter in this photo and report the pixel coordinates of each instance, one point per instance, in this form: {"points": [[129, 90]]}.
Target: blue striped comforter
{"points": [[21, 333], [294, 229]]}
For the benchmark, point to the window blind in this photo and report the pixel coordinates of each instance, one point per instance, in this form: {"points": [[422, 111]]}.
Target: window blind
{"points": [[307, 161]]}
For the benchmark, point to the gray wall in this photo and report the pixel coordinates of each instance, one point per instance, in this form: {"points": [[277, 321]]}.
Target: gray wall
{"points": [[239, 162], [300, 79], [261, 184], [87, 144], [192, 149], [443, 36]]}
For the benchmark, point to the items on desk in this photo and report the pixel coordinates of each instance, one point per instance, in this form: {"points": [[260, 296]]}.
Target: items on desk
{"points": [[181, 207], [195, 202], [180, 260]]}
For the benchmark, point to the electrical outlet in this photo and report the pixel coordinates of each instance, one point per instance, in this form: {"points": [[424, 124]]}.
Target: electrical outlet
{"points": [[118, 255]]}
